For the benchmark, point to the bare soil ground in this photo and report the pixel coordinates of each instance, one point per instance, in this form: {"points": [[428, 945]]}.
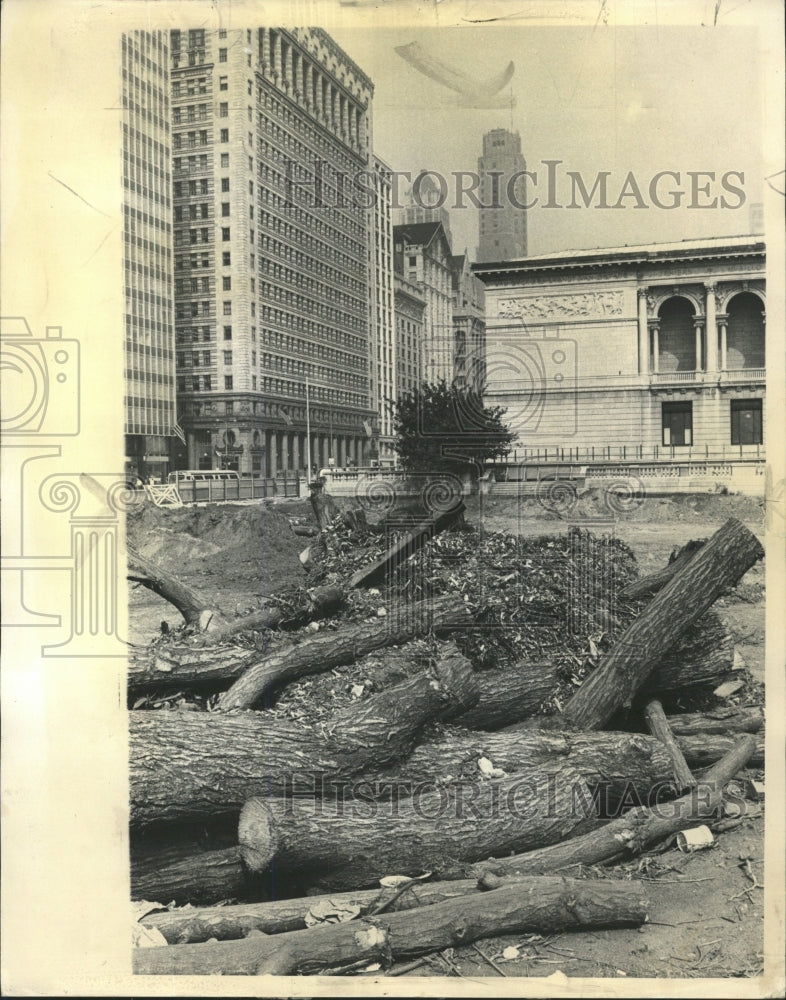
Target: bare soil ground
{"points": [[707, 907]]}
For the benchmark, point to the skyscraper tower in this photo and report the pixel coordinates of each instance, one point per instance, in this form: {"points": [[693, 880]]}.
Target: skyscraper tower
{"points": [[503, 224], [271, 133], [149, 334]]}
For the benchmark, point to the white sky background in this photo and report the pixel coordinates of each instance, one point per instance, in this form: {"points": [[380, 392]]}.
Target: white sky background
{"points": [[641, 99]]}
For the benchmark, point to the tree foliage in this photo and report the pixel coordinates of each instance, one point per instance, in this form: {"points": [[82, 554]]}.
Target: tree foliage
{"points": [[441, 427]]}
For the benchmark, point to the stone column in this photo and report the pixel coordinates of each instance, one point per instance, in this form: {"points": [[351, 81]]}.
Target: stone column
{"points": [[712, 328], [654, 326], [273, 452], [723, 322], [698, 324], [296, 451], [644, 354]]}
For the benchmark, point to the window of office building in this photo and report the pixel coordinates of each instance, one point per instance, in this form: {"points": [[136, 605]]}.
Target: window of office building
{"points": [[222, 55], [224, 135], [228, 383], [677, 422], [746, 425], [224, 161]]}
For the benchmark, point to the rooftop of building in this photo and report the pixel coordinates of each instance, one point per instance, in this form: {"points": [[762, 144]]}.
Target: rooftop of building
{"points": [[634, 253]]}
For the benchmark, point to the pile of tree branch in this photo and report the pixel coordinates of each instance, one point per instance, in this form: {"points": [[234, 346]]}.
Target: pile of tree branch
{"points": [[442, 796]]}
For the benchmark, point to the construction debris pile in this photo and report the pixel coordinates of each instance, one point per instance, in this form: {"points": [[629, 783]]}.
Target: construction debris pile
{"points": [[428, 744]]}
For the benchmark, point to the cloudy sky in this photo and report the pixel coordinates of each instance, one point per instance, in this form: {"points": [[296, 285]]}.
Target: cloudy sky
{"points": [[625, 99]]}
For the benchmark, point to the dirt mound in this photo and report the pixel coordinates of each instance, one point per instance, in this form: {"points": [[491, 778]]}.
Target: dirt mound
{"points": [[252, 546]]}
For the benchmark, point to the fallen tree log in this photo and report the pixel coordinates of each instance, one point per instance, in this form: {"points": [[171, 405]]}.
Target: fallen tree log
{"points": [[509, 695], [542, 905], [718, 565], [171, 667], [323, 652], [186, 766], [380, 569], [703, 655], [179, 665], [661, 730], [189, 603], [651, 584], [702, 751], [309, 605], [190, 925], [621, 766], [352, 842], [633, 832], [190, 874], [717, 721]]}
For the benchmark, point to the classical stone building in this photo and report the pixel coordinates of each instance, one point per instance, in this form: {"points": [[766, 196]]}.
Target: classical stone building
{"points": [[469, 324], [654, 353], [502, 217], [423, 257], [271, 134], [149, 332]]}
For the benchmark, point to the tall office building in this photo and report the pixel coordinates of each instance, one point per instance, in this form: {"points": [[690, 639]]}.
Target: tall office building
{"points": [[149, 335], [410, 308], [503, 223], [272, 245], [384, 344], [423, 258]]}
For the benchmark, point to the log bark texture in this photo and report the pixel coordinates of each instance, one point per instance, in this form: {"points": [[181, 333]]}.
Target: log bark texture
{"points": [[543, 905], [189, 603], [379, 570], [512, 694], [635, 831], [186, 766], [702, 655], [319, 602], [621, 764], [660, 729], [189, 925], [717, 721], [179, 666], [718, 565], [322, 653], [189, 874], [353, 843]]}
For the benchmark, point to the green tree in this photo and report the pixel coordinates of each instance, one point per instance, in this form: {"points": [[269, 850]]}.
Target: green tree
{"points": [[440, 427]]}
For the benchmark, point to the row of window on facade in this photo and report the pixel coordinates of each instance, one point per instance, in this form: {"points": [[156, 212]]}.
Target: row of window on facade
{"points": [[745, 416]]}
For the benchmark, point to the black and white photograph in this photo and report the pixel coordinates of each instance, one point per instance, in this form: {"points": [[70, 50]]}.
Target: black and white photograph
{"points": [[394, 516]]}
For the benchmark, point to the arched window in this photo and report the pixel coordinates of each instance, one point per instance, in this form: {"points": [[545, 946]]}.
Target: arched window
{"points": [[677, 338], [745, 332]]}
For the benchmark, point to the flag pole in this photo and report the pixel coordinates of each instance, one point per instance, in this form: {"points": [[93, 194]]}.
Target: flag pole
{"points": [[308, 436]]}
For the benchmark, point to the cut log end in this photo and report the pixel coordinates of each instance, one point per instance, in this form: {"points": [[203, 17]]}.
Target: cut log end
{"points": [[256, 835]]}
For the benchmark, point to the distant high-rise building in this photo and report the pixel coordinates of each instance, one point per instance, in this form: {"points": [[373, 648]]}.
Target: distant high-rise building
{"points": [[149, 333], [271, 132], [384, 343], [503, 223]]}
